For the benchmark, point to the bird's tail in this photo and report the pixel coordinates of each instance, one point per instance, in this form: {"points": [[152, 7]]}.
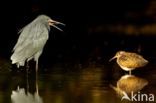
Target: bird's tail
{"points": [[16, 60]]}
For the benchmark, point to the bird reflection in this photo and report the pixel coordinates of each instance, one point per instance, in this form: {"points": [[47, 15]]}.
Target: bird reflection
{"points": [[22, 95], [129, 83]]}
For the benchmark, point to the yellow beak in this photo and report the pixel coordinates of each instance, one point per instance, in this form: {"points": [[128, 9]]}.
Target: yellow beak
{"points": [[53, 22], [112, 58]]}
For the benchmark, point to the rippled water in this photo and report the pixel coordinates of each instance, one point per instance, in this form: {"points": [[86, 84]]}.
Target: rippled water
{"points": [[77, 83]]}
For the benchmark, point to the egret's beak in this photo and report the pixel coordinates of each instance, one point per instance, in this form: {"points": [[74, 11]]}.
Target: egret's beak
{"points": [[112, 58], [52, 23]]}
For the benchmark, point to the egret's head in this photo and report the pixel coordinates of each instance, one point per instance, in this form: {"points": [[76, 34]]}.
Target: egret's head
{"points": [[118, 54], [49, 21]]}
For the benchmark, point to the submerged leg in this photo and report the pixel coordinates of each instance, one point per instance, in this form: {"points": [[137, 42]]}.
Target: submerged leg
{"points": [[130, 72], [36, 83]]}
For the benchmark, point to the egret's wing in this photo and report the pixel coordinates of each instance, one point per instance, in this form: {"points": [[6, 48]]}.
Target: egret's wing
{"points": [[27, 32], [31, 43], [24, 34]]}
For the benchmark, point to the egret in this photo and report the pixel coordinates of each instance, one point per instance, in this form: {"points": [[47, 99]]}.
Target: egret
{"points": [[32, 40]]}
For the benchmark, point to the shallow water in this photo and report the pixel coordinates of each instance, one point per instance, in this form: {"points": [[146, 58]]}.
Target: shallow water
{"points": [[92, 83]]}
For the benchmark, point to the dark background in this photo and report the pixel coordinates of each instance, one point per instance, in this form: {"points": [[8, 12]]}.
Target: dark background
{"points": [[80, 41]]}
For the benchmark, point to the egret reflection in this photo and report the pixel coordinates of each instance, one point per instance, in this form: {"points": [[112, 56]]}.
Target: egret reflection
{"points": [[21, 96]]}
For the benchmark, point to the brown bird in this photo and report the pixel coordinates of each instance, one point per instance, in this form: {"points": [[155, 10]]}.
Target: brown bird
{"points": [[129, 61]]}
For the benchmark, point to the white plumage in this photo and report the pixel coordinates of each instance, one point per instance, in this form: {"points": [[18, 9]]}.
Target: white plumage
{"points": [[32, 39]]}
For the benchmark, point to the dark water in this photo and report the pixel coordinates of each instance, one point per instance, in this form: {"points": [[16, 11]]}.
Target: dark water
{"points": [[92, 83], [82, 73]]}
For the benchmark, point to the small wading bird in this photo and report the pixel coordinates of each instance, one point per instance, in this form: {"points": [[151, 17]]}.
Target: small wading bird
{"points": [[129, 61], [32, 39]]}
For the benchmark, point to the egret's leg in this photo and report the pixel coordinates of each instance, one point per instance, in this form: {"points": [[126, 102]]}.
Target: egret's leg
{"points": [[36, 76], [36, 66], [37, 55], [27, 69], [27, 81], [27, 66]]}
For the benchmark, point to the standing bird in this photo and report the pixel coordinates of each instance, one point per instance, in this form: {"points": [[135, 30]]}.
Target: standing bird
{"points": [[32, 39], [129, 61]]}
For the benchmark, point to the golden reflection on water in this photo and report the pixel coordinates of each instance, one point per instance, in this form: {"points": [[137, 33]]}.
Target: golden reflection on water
{"points": [[128, 84], [87, 85]]}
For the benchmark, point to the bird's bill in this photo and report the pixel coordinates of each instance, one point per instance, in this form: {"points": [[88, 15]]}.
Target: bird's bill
{"points": [[53, 22], [112, 58], [56, 27]]}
